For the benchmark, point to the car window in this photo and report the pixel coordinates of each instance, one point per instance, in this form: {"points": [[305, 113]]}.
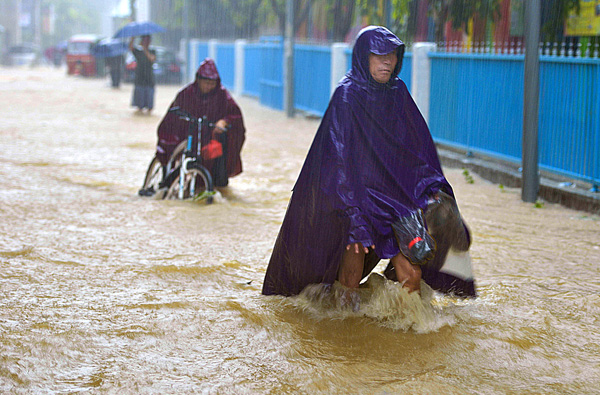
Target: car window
{"points": [[78, 48]]}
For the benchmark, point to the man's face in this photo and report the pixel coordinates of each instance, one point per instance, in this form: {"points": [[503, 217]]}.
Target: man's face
{"points": [[207, 85], [381, 67], [145, 41]]}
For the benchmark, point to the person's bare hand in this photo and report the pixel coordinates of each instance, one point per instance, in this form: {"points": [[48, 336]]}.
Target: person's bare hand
{"points": [[357, 247], [220, 127]]}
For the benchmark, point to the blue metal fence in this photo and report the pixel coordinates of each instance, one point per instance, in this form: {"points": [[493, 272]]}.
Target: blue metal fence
{"points": [[252, 67], [569, 128], [476, 99], [201, 52], [312, 78], [226, 63], [271, 75], [477, 104]]}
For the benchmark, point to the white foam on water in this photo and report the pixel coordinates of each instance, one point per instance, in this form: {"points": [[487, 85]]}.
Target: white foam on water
{"points": [[384, 301]]}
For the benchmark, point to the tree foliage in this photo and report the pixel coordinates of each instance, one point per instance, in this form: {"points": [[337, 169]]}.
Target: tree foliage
{"points": [[554, 15], [247, 16], [460, 12], [301, 11], [74, 17]]}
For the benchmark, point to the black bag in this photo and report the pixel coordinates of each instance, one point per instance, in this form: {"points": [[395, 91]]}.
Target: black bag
{"points": [[415, 243]]}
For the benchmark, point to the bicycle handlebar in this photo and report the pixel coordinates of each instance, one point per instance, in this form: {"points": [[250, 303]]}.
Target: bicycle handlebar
{"points": [[186, 116]]}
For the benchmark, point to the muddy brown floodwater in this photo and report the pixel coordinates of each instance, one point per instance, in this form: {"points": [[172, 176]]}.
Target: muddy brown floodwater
{"points": [[102, 291]]}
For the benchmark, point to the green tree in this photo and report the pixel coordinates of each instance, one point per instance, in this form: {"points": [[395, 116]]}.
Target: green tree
{"points": [[459, 12], [554, 16], [74, 17], [247, 16], [394, 14], [301, 11], [132, 8]]}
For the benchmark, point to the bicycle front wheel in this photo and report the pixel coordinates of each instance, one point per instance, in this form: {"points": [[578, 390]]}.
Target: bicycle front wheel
{"points": [[197, 184]]}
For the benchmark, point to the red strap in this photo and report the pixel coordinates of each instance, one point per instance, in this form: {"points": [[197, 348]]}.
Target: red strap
{"points": [[414, 241]]}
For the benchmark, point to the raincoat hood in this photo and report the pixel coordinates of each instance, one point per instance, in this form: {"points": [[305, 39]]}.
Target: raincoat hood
{"points": [[208, 70], [379, 41]]}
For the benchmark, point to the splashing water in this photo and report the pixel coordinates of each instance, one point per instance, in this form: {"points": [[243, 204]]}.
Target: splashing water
{"points": [[387, 302]]}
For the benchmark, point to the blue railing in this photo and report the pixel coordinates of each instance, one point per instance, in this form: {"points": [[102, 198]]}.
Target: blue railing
{"points": [[312, 78], [476, 99], [477, 104], [271, 75], [226, 64], [252, 69], [569, 127], [201, 52]]}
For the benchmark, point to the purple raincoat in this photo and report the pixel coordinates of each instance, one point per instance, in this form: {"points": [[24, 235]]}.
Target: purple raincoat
{"points": [[372, 161]]}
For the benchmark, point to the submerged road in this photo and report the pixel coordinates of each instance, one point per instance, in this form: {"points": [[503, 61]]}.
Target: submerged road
{"points": [[103, 291]]}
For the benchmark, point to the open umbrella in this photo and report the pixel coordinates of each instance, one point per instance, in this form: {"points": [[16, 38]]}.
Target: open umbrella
{"points": [[133, 29], [108, 48]]}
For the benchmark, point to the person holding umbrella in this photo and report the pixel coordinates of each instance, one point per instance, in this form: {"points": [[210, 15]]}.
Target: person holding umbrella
{"points": [[143, 91]]}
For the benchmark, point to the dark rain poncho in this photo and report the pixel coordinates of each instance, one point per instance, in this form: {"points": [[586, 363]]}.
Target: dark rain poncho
{"points": [[372, 161], [215, 105]]}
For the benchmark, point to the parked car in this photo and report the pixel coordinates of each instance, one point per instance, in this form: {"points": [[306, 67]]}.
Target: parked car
{"points": [[167, 68], [21, 55]]}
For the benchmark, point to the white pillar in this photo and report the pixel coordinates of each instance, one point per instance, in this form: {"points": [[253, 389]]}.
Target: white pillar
{"points": [[421, 76], [143, 10], [338, 64], [212, 49], [194, 62], [238, 71]]}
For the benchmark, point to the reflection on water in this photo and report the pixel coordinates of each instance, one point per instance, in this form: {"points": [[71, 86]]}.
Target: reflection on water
{"points": [[106, 292]]}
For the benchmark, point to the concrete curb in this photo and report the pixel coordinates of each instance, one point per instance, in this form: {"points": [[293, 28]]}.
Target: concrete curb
{"points": [[554, 189]]}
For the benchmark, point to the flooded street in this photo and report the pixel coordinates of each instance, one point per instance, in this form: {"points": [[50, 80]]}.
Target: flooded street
{"points": [[102, 291]]}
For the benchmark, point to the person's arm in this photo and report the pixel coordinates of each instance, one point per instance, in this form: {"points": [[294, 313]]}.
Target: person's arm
{"points": [[339, 180], [131, 43], [151, 57]]}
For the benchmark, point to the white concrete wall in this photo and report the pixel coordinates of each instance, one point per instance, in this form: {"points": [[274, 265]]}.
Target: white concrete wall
{"points": [[212, 49], [338, 63], [238, 75], [194, 62], [421, 76], [143, 10]]}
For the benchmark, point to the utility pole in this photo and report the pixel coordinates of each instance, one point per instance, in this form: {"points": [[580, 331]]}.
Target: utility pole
{"points": [[18, 32], [186, 38], [132, 9], [388, 14], [531, 182], [288, 54]]}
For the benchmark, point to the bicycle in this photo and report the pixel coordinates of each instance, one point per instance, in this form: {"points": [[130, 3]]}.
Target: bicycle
{"points": [[184, 176]]}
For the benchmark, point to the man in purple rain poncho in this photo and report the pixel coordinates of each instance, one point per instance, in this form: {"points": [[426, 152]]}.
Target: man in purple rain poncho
{"points": [[372, 162]]}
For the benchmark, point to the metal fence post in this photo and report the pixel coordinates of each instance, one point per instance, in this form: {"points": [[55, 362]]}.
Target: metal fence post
{"points": [[288, 55], [529, 191]]}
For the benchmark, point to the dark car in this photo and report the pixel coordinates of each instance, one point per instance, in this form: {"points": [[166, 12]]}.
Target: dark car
{"points": [[167, 68]]}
